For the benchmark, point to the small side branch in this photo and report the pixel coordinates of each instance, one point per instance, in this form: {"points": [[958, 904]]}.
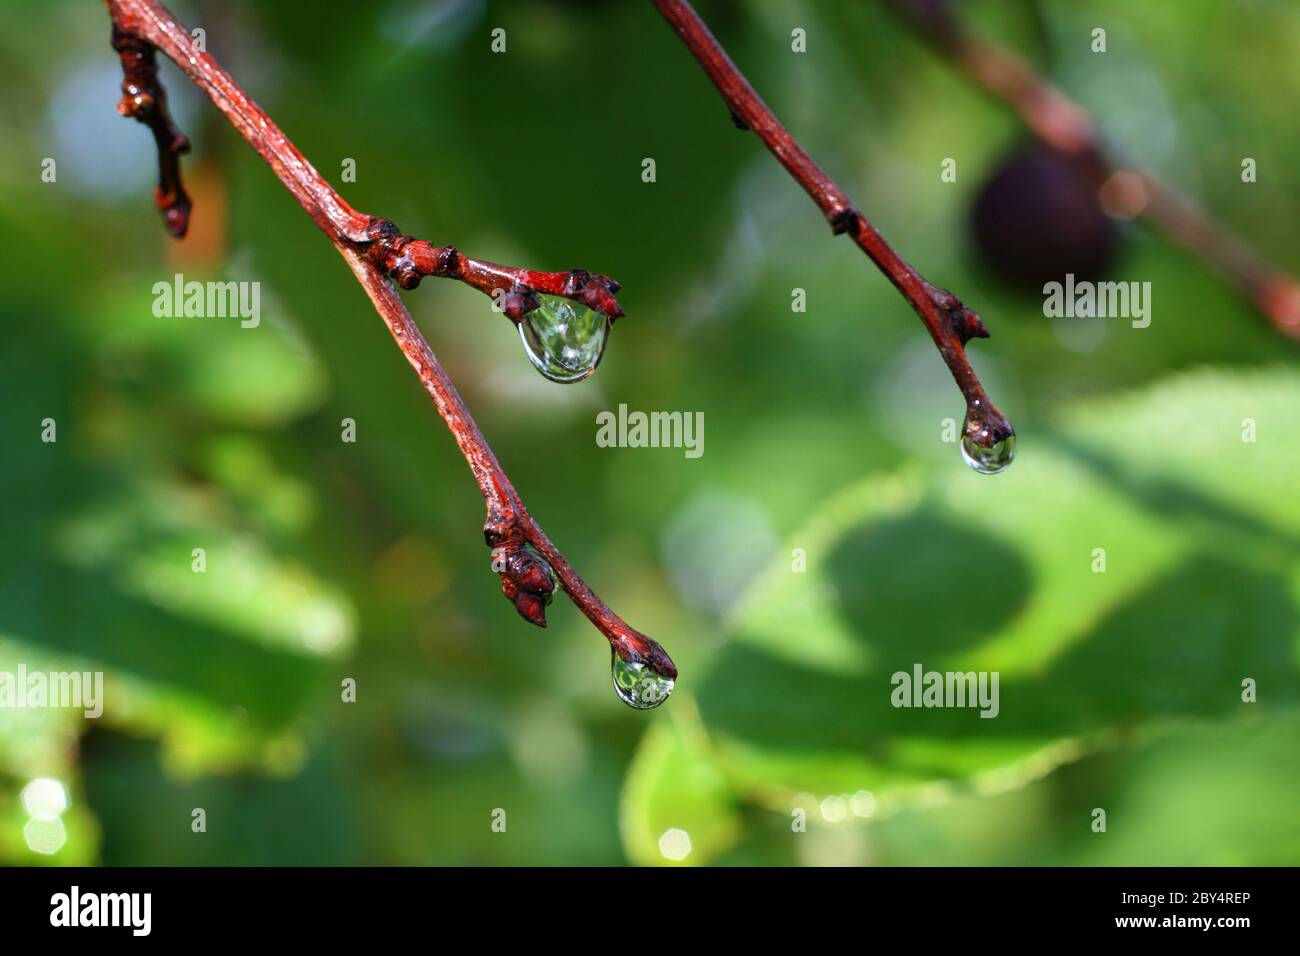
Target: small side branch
{"points": [[143, 99], [407, 260]]}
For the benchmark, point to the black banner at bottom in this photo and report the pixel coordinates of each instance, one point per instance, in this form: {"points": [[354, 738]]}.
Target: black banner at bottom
{"points": [[338, 905]]}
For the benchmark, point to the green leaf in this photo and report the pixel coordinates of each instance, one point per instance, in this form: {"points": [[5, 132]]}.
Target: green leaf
{"points": [[674, 785], [959, 572]]}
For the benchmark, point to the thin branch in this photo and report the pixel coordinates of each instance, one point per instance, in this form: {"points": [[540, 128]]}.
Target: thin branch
{"points": [[373, 248], [950, 324], [1060, 123], [409, 260], [143, 99]]}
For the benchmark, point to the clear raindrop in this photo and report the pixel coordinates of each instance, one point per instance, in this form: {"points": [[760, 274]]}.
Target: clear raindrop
{"points": [[564, 340], [638, 686]]}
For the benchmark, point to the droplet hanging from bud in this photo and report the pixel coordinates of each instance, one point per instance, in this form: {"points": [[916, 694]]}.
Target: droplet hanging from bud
{"points": [[564, 340], [987, 448], [637, 685]]}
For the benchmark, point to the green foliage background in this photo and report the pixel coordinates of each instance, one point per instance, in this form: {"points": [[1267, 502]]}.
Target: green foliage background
{"points": [[329, 560]]}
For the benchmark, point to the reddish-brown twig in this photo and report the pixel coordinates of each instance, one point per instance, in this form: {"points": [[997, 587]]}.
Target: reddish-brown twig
{"points": [[515, 290], [1060, 123], [143, 99], [374, 248], [950, 324]]}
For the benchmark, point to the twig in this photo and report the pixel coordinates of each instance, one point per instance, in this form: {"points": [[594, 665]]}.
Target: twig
{"points": [[143, 99], [950, 324], [1060, 123], [374, 248], [409, 260]]}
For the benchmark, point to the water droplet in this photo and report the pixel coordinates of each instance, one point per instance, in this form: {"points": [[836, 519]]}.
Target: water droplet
{"points": [[988, 442], [990, 459], [638, 686], [564, 340]]}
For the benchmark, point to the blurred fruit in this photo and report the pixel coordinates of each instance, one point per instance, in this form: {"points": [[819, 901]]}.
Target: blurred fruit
{"points": [[1039, 217]]}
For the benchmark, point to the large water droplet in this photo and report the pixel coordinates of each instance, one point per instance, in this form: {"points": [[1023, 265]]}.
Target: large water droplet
{"points": [[638, 686], [989, 459], [564, 340]]}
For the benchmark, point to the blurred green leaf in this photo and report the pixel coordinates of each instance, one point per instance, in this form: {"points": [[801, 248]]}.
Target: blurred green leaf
{"points": [[960, 573], [674, 784]]}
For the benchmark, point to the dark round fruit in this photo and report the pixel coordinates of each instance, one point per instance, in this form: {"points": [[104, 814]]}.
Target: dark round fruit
{"points": [[1038, 218]]}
